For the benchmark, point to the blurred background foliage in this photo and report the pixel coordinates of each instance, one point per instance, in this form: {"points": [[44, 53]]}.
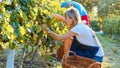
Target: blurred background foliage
{"points": [[104, 15]]}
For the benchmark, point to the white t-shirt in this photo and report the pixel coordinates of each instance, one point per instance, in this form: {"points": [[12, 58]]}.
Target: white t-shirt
{"points": [[85, 37]]}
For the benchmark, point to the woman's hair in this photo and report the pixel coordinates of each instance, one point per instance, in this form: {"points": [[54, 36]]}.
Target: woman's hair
{"points": [[74, 14]]}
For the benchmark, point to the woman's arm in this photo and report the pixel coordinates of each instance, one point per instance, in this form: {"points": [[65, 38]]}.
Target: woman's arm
{"points": [[56, 36], [68, 34], [59, 17]]}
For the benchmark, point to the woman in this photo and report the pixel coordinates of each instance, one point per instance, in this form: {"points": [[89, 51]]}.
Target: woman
{"points": [[83, 13], [85, 42]]}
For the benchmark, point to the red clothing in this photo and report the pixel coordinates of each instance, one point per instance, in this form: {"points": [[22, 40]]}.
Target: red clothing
{"points": [[85, 17]]}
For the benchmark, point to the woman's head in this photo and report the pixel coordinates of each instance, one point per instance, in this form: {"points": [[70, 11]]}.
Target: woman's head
{"points": [[72, 17]]}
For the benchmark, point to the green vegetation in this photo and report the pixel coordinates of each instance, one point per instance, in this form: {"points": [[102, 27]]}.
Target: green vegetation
{"points": [[112, 51], [20, 29], [111, 60]]}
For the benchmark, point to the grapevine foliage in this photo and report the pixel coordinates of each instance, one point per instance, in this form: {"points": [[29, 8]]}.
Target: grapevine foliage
{"points": [[20, 22]]}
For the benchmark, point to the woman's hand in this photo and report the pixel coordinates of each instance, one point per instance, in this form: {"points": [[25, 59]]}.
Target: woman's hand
{"points": [[44, 26]]}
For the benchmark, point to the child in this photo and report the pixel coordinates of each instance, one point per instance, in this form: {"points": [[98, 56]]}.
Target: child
{"points": [[85, 42], [79, 7]]}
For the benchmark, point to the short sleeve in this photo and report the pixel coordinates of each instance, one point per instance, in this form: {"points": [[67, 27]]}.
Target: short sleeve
{"points": [[77, 29]]}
